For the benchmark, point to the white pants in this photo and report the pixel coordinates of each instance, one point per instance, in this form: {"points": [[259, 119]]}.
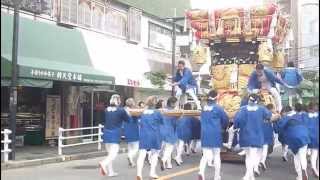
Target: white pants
{"points": [[264, 153], [133, 148], [285, 150], [251, 161], [210, 154], [262, 156], [167, 151], [180, 145], [231, 132], [275, 93], [195, 145], [313, 159], [112, 150], [154, 160], [191, 92], [300, 161]]}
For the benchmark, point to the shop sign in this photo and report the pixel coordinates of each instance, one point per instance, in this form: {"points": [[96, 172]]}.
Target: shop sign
{"points": [[134, 83], [53, 116], [59, 75], [39, 73]]}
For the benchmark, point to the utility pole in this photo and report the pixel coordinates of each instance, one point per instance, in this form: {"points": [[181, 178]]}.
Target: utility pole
{"points": [[173, 48], [173, 55], [295, 29], [13, 89]]}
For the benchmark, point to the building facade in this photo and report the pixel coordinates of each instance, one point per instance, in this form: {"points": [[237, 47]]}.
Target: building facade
{"points": [[83, 51]]}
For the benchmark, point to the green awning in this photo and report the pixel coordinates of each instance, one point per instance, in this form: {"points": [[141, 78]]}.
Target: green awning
{"points": [[29, 83], [49, 52]]}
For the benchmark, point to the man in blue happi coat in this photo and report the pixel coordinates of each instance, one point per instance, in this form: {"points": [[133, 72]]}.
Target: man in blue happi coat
{"points": [[185, 83], [264, 78]]}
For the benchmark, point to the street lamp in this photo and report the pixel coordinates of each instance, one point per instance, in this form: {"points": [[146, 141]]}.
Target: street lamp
{"points": [[173, 57], [13, 88]]}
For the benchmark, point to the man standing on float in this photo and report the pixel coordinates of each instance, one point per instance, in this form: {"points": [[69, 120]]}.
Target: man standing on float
{"points": [[185, 83], [263, 78]]}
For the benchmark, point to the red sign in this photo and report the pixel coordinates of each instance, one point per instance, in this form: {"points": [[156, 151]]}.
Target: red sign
{"points": [[133, 83]]}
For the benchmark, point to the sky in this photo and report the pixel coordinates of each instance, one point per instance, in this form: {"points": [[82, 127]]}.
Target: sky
{"points": [[217, 4]]}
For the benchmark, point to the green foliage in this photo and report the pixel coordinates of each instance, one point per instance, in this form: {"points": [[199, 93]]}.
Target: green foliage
{"points": [[156, 78]]}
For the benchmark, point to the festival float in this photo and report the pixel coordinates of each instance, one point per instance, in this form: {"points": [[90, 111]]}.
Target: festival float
{"points": [[238, 39]]}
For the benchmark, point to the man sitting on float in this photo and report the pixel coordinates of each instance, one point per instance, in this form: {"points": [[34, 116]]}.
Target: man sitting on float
{"points": [[185, 83], [264, 79]]}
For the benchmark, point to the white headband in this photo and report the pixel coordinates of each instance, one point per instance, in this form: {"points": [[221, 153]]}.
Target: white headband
{"points": [[253, 99], [211, 98]]}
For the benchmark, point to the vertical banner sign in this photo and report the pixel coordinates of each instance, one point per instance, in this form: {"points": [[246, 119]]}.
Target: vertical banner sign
{"points": [[53, 116]]}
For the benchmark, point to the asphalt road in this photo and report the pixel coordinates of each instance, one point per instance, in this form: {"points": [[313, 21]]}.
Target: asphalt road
{"points": [[88, 169]]}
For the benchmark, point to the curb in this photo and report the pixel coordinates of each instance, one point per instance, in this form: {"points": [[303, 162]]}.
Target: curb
{"points": [[57, 159]]}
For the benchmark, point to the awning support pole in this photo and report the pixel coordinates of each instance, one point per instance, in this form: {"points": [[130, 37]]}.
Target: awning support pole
{"points": [[13, 89]]}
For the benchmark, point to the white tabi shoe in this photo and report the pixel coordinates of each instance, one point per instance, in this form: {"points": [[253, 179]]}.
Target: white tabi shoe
{"points": [[169, 165], [241, 153], [113, 174], [154, 176]]}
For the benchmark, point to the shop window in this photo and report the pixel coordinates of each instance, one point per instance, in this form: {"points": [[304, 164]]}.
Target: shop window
{"points": [[98, 16], [314, 51], [68, 12], [134, 25], [84, 13], [116, 22], [159, 37]]}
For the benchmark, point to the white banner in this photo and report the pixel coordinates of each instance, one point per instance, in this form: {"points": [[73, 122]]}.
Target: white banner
{"points": [[53, 116]]}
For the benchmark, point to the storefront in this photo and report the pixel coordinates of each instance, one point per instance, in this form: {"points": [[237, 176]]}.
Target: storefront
{"points": [[53, 65]]}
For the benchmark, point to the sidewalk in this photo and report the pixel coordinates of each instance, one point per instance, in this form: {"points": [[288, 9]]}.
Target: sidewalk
{"points": [[39, 155]]}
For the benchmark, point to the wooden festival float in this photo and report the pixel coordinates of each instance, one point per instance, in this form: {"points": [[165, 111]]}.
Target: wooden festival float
{"points": [[238, 39]]}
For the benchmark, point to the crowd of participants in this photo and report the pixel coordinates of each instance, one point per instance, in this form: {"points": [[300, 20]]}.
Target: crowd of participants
{"points": [[155, 138]]}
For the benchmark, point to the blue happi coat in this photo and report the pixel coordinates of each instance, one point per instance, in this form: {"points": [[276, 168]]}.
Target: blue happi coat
{"points": [[184, 128], [150, 123], [186, 80], [291, 76], [196, 128], [254, 83], [250, 122], [213, 120], [312, 122], [276, 129], [114, 118], [267, 132], [294, 131], [168, 129], [131, 129]]}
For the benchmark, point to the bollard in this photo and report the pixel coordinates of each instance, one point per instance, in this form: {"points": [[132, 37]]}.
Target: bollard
{"points": [[99, 136], [6, 143], [60, 141]]}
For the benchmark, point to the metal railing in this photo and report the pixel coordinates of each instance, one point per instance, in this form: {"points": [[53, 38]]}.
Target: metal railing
{"points": [[6, 141], [62, 137]]}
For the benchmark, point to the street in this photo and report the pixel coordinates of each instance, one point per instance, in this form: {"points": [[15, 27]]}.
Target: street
{"points": [[88, 169]]}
